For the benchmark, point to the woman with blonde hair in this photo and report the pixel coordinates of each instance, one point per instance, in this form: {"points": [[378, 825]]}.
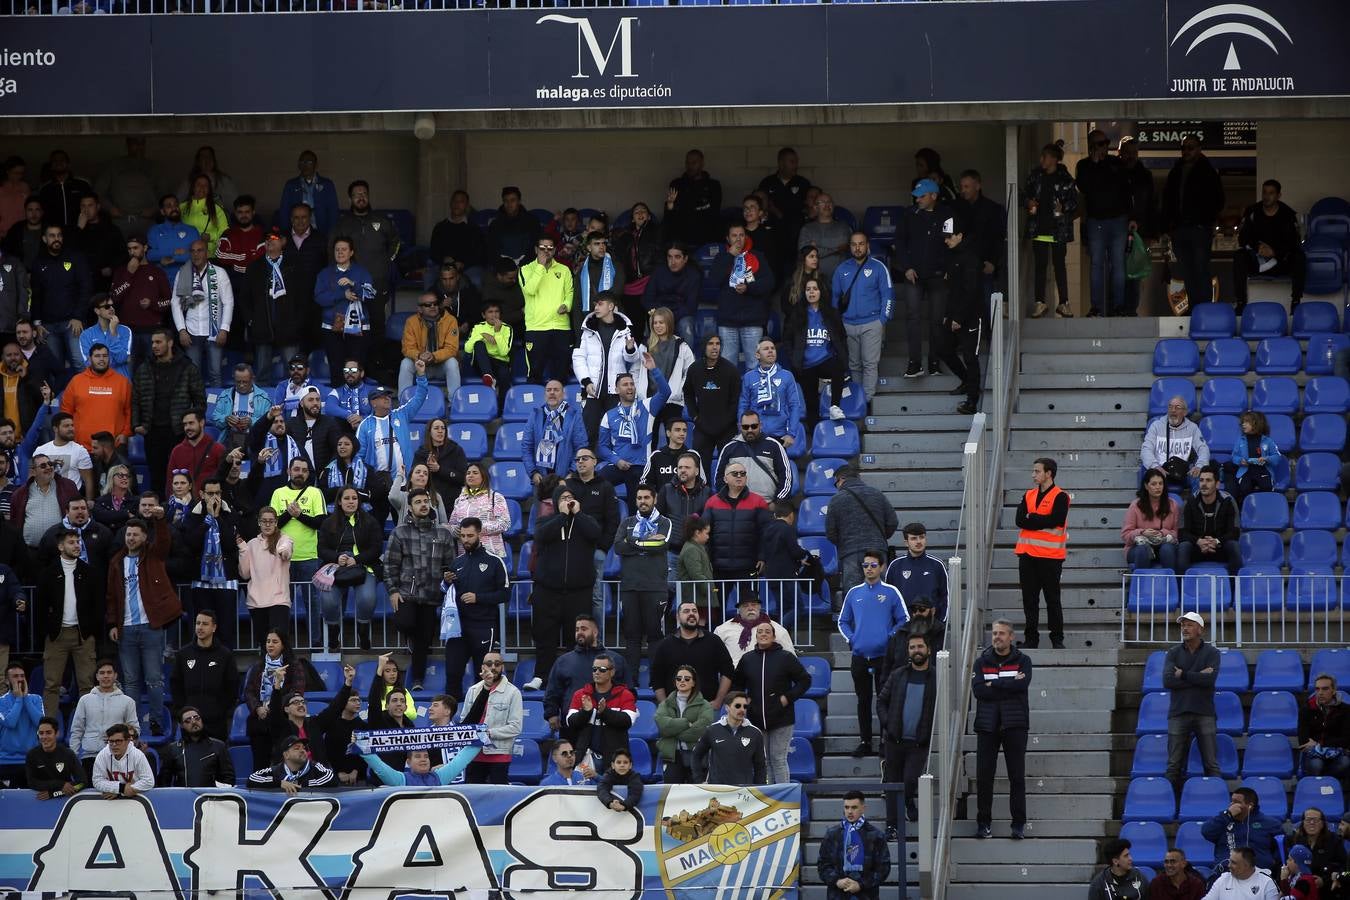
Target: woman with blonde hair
{"points": [[673, 357]]}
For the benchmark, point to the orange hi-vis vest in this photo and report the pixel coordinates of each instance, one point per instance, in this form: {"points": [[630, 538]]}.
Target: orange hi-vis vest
{"points": [[1050, 543]]}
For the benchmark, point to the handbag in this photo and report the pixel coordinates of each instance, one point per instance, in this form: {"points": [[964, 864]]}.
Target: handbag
{"points": [[349, 576]]}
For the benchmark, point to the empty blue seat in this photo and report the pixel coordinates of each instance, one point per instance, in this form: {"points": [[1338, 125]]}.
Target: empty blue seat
{"points": [[644, 729], [1270, 796], [1227, 356], [521, 400], [1266, 511], [482, 218], [1261, 548], [1212, 320], [1228, 709], [1153, 590], [1278, 356], [522, 676], [1311, 548], [1321, 791], [820, 476], [1315, 317], [1201, 798], [801, 761], [1264, 319], [242, 759], [1275, 711], [808, 724], [1324, 265], [507, 444], [509, 479], [433, 407], [533, 724], [1326, 394], [811, 515], [1148, 843], [1275, 394], [1153, 713], [1199, 851], [1206, 588], [833, 438], [472, 437], [1317, 472], [1268, 754], [1153, 672], [1278, 670], [1316, 509], [1322, 431], [1333, 661], [819, 669], [1282, 433], [238, 725], [1150, 756], [1226, 751], [365, 674], [1220, 433], [527, 763], [823, 550], [1323, 349], [1225, 395], [1176, 356], [1233, 674], [1164, 389], [474, 403], [1150, 800], [1260, 588]]}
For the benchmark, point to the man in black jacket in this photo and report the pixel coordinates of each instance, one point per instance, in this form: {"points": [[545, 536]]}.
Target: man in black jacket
{"points": [[598, 500], [1143, 221], [1209, 526], [205, 676], [641, 543], [712, 392], [986, 231], [1108, 208], [1000, 681], [196, 759], [1269, 246], [95, 235], [731, 750], [1192, 201], [921, 260], [907, 727], [861, 877], [61, 284], [70, 612], [1190, 672], [963, 318], [315, 432], [296, 772], [690, 645], [564, 572], [482, 586]]}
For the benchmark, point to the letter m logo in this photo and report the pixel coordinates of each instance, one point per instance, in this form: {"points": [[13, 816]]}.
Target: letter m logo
{"points": [[586, 40]]}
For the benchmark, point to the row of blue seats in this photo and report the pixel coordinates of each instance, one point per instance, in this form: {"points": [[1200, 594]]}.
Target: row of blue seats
{"points": [[1264, 755], [1272, 712], [1233, 356], [1270, 511], [1276, 670], [1271, 395], [1260, 589], [1321, 431], [1148, 846], [1152, 799], [1264, 319]]}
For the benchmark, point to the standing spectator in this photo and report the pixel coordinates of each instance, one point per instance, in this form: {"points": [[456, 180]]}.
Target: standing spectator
{"points": [[1143, 218], [431, 338], [197, 455], [1324, 730], [1042, 545], [637, 249], [1268, 245], [196, 759], [827, 234], [386, 445], [69, 610], [446, 462], [693, 203], [60, 286], [676, 286], [1209, 527], [732, 750], [859, 518], [419, 557], [1192, 200], [738, 517], [12, 604], [1243, 827], [375, 242], [300, 510], [1150, 529], [606, 350], [109, 332], [573, 669], [862, 292], [692, 647], [626, 431], [121, 769], [26, 394], [1178, 880], [204, 163], [682, 717], [1174, 444], [1051, 201], [986, 232], [481, 587], [546, 285], [20, 712], [553, 433], [14, 190], [495, 703], [744, 285], [1190, 671], [919, 573], [663, 462], [641, 544], [764, 237], [693, 569], [456, 237], [479, 501], [274, 314], [170, 239], [1120, 880], [313, 190], [786, 190], [775, 680], [673, 357], [166, 388], [963, 316], [1255, 458], [682, 496], [14, 296], [905, 708], [872, 612], [854, 857], [769, 471], [773, 393], [204, 212], [72, 461], [241, 245], [306, 242], [260, 684], [598, 500], [488, 348], [99, 240], [597, 273], [928, 164], [816, 335], [348, 299], [567, 771], [503, 287], [62, 192], [129, 185], [600, 715], [35, 507], [51, 768], [205, 676], [514, 229], [1000, 681], [141, 605], [23, 240], [94, 537], [1108, 204], [921, 258], [712, 394], [350, 400], [565, 548], [313, 431]]}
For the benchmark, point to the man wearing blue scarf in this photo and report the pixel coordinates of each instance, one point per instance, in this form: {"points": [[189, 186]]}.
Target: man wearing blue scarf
{"points": [[641, 544], [854, 858], [597, 274], [773, 393], [350, 400], [626, 430]]}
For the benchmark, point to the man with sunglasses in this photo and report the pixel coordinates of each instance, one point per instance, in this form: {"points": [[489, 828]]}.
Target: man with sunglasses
{"points": [[547, 287], [731, 750], [196, 759], [769, 472], [496, 703], [349, 402], [1108, 209], [566, 772], [739, 518], [37, 505], [872, 612], [601, 714], [111, 333]]}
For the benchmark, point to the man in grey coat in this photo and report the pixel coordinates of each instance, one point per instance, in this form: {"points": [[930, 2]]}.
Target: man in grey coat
{"points": [[859, 518], [1190, 671], [641, 544]]}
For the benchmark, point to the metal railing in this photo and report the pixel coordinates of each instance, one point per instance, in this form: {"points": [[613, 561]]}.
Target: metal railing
{"points": [[1269, 609]]}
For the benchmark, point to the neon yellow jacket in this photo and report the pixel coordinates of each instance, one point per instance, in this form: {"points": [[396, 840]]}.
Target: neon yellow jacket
{"points": [[501, 352], [545, 290], [194, 214]]}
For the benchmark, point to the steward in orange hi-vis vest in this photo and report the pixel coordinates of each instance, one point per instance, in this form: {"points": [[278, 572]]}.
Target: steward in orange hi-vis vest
{"points": [[1042, 544]]}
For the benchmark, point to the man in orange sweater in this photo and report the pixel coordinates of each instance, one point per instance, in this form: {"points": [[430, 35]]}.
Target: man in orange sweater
{"points": [[100, 400]]}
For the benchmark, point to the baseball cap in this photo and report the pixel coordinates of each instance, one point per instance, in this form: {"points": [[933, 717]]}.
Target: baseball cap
{"points": [[276, 234], [915, 528], [1302, 857], [381, 392], [923, 602], [925, 186], [1191, 617], [298, 359], [292, 741]]}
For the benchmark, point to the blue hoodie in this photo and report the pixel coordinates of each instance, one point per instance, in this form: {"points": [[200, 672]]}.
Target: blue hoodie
{"points": [[871, 298], [572, 438], [870, 616], [636, 448], [18, 727], [332, 297], [782, 411]]}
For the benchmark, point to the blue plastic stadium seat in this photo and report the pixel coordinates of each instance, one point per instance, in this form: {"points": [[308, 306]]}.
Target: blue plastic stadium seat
{"points": [[1150, 800], [1225, 395], [644, 729], [809, 724], [472, 437], [1260, 588], [852, 401], [1266, 511], [507, 444], [1268, 754], [1275, 711], [1164, 389], [1309, 549], [1227, 757], [517, 526], [801, 761], [1148, 843], [482, 218], [1278, 670], [1324, 268], [822, 549], [534, 726], [1315, 317], [1317, 472], [1220, 433], [1275, 394], [474, 403], [820, 476], [239, 725], [1199, 851], [1233, 674], [1212, 320], [645, 763], [1153, 672], [1227, 356], [1316, 509], [1153, 713], [819, 669], [1278, 356], [1176, 356], [1150, 756], [522, 676], [1205, 588], [1228, 709], [1264, 319], [799, 445], [1323, 349], [1270, 795], [1282, 433], [1333, 661], [1261, 548], [393, 327], [811, 515], [1326, 394], [242, 760], [433, 407], [835, 439], [521, 400], [1321, 791], [1322, 431], [510, 480], [527, 763], [1153, 590], [1200, 797]]}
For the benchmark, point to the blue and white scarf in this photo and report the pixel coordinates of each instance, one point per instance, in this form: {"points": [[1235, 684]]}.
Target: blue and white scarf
{"points": [[277, 464], [288, 775], [450, 625], [646, 525], [84, 551], [546, 452], [178, 510], [354, 474], [266, 685], [277, 287], [606, 280], [765, 392], [627, 422], [213, 561], [853, 845]]}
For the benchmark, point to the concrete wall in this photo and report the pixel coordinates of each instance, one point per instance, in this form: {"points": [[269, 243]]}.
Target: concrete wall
{"points": [[1311, 160]]}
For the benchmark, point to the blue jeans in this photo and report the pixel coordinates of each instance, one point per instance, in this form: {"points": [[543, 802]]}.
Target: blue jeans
{"points": [[214, 356], [736, 340], [304, 597], [1141, 556], [1106, 250], [64, 344], [449, 370], [141, 653], [1337, 767], [333, 600]]}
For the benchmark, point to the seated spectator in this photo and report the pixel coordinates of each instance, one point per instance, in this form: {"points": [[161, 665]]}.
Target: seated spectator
{"points": [[818, 349], [265, 563], [459, 297], [21, 711], [350, 400], [430, 337], [1324, 730], [488, 349], [1326, 851], [416, 478], [503, 288], [345, 293], [420, 772], [1173, 443], [1178, 879], [287, 394], [1150, 529], [567, 772], [295, 772], [51, 768], [676, 286], [1209, 526], [738, 632], [237, 409], [1243, 878], [1243, 824], [312, 189], [1255, 458], [202, 210], [1268, 246], [769, 471], [773, 393], [96, 712], [121, 769], [569, 234], [445, 461], [732, 749], [457, 238], [855, 859], [196, 759], [1297, 880], [681, 719], [764, 236], [622, 776], [1120, 880], [744, 284]]}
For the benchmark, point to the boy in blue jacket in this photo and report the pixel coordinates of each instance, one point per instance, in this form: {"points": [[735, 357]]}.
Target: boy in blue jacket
{"points": [[626, 430], [773, 393], [872, 612]]}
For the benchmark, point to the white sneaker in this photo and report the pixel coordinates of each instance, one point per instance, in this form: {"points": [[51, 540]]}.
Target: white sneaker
{"points": [[836, 413], [1039, 309], [534, 684], [1063, 311]]}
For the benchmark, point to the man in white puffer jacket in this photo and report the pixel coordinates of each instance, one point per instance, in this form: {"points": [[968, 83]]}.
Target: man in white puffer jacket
{"points": [[606, 349], [97, 711]]}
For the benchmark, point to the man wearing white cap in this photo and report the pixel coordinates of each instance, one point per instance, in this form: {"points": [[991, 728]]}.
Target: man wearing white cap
{"points": [[1189, 673]]}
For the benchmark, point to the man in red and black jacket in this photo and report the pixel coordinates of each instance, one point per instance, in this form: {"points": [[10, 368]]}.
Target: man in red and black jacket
{"points": [[1000, 680], [600, 714]]}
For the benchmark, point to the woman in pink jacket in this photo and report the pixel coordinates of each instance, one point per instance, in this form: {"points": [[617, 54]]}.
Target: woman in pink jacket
{"points": [[266, 562], [479, 500], [1150, 529]]}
